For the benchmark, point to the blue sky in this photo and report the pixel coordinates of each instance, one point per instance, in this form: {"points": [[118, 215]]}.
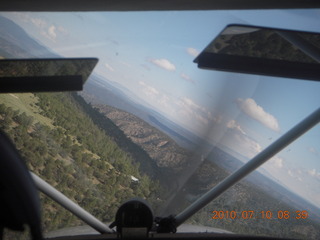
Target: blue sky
{"points": [[151, 54]]}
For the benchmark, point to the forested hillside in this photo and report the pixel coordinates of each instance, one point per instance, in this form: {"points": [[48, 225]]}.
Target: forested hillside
{"points": [[60, 143]]}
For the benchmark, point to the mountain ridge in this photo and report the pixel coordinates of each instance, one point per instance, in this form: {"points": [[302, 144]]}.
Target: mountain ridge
{"points": [[15, 42]]}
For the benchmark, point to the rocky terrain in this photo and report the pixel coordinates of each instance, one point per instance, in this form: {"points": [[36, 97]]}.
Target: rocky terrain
{"points": [[159, 146]]}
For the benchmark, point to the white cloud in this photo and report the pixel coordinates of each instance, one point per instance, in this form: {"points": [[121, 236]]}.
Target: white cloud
{"points": [[244, 145], [109, 67], [45, 29], [38, 22], [191, 105], [49, 33], [142, 83], [193, 111], [25, 17], [248, 147], [302, 175], [232, 124], [148, 90], [313, 151], [187, 78], [151, 91], [314, 173], [165, 100], [252, 109], [164, 63], [202, 119], [277, 162], [62, 30], [252, 146], [193, 52], [161, 100], [125, 64], [52, 32], [290, 173], [276, 167]]}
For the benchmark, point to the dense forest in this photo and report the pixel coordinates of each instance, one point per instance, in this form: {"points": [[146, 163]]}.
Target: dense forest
{"points": [[60, 143]]}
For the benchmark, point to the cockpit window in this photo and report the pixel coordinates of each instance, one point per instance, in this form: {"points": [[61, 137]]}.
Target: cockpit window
{"points": [[150, 124]]}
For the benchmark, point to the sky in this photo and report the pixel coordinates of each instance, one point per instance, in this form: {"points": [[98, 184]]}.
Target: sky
{"points": [[151, 55]]}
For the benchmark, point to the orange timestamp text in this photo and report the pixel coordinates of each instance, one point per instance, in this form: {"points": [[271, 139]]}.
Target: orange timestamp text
{"points": [[250, 214]]}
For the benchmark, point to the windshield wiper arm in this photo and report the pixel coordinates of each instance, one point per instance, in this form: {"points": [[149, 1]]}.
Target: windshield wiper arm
{"points": [[254, 163]]}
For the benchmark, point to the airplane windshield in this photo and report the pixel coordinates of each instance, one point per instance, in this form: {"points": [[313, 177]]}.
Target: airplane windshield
{"points": [[151, 124]]}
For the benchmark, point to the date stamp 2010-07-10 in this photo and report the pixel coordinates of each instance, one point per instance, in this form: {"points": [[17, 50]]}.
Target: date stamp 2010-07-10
{"points": [[250, 214]]}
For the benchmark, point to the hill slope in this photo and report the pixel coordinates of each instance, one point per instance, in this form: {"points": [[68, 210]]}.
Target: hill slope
{"points": [[74, 155], [162, 149], [16, 43]]}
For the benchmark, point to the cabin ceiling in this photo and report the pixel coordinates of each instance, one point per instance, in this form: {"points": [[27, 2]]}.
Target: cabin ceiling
{"points": [[150, 5]]}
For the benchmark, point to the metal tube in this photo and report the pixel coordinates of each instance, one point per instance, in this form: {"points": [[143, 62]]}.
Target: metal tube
{"points": [[74, 208], [250, 166]]}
